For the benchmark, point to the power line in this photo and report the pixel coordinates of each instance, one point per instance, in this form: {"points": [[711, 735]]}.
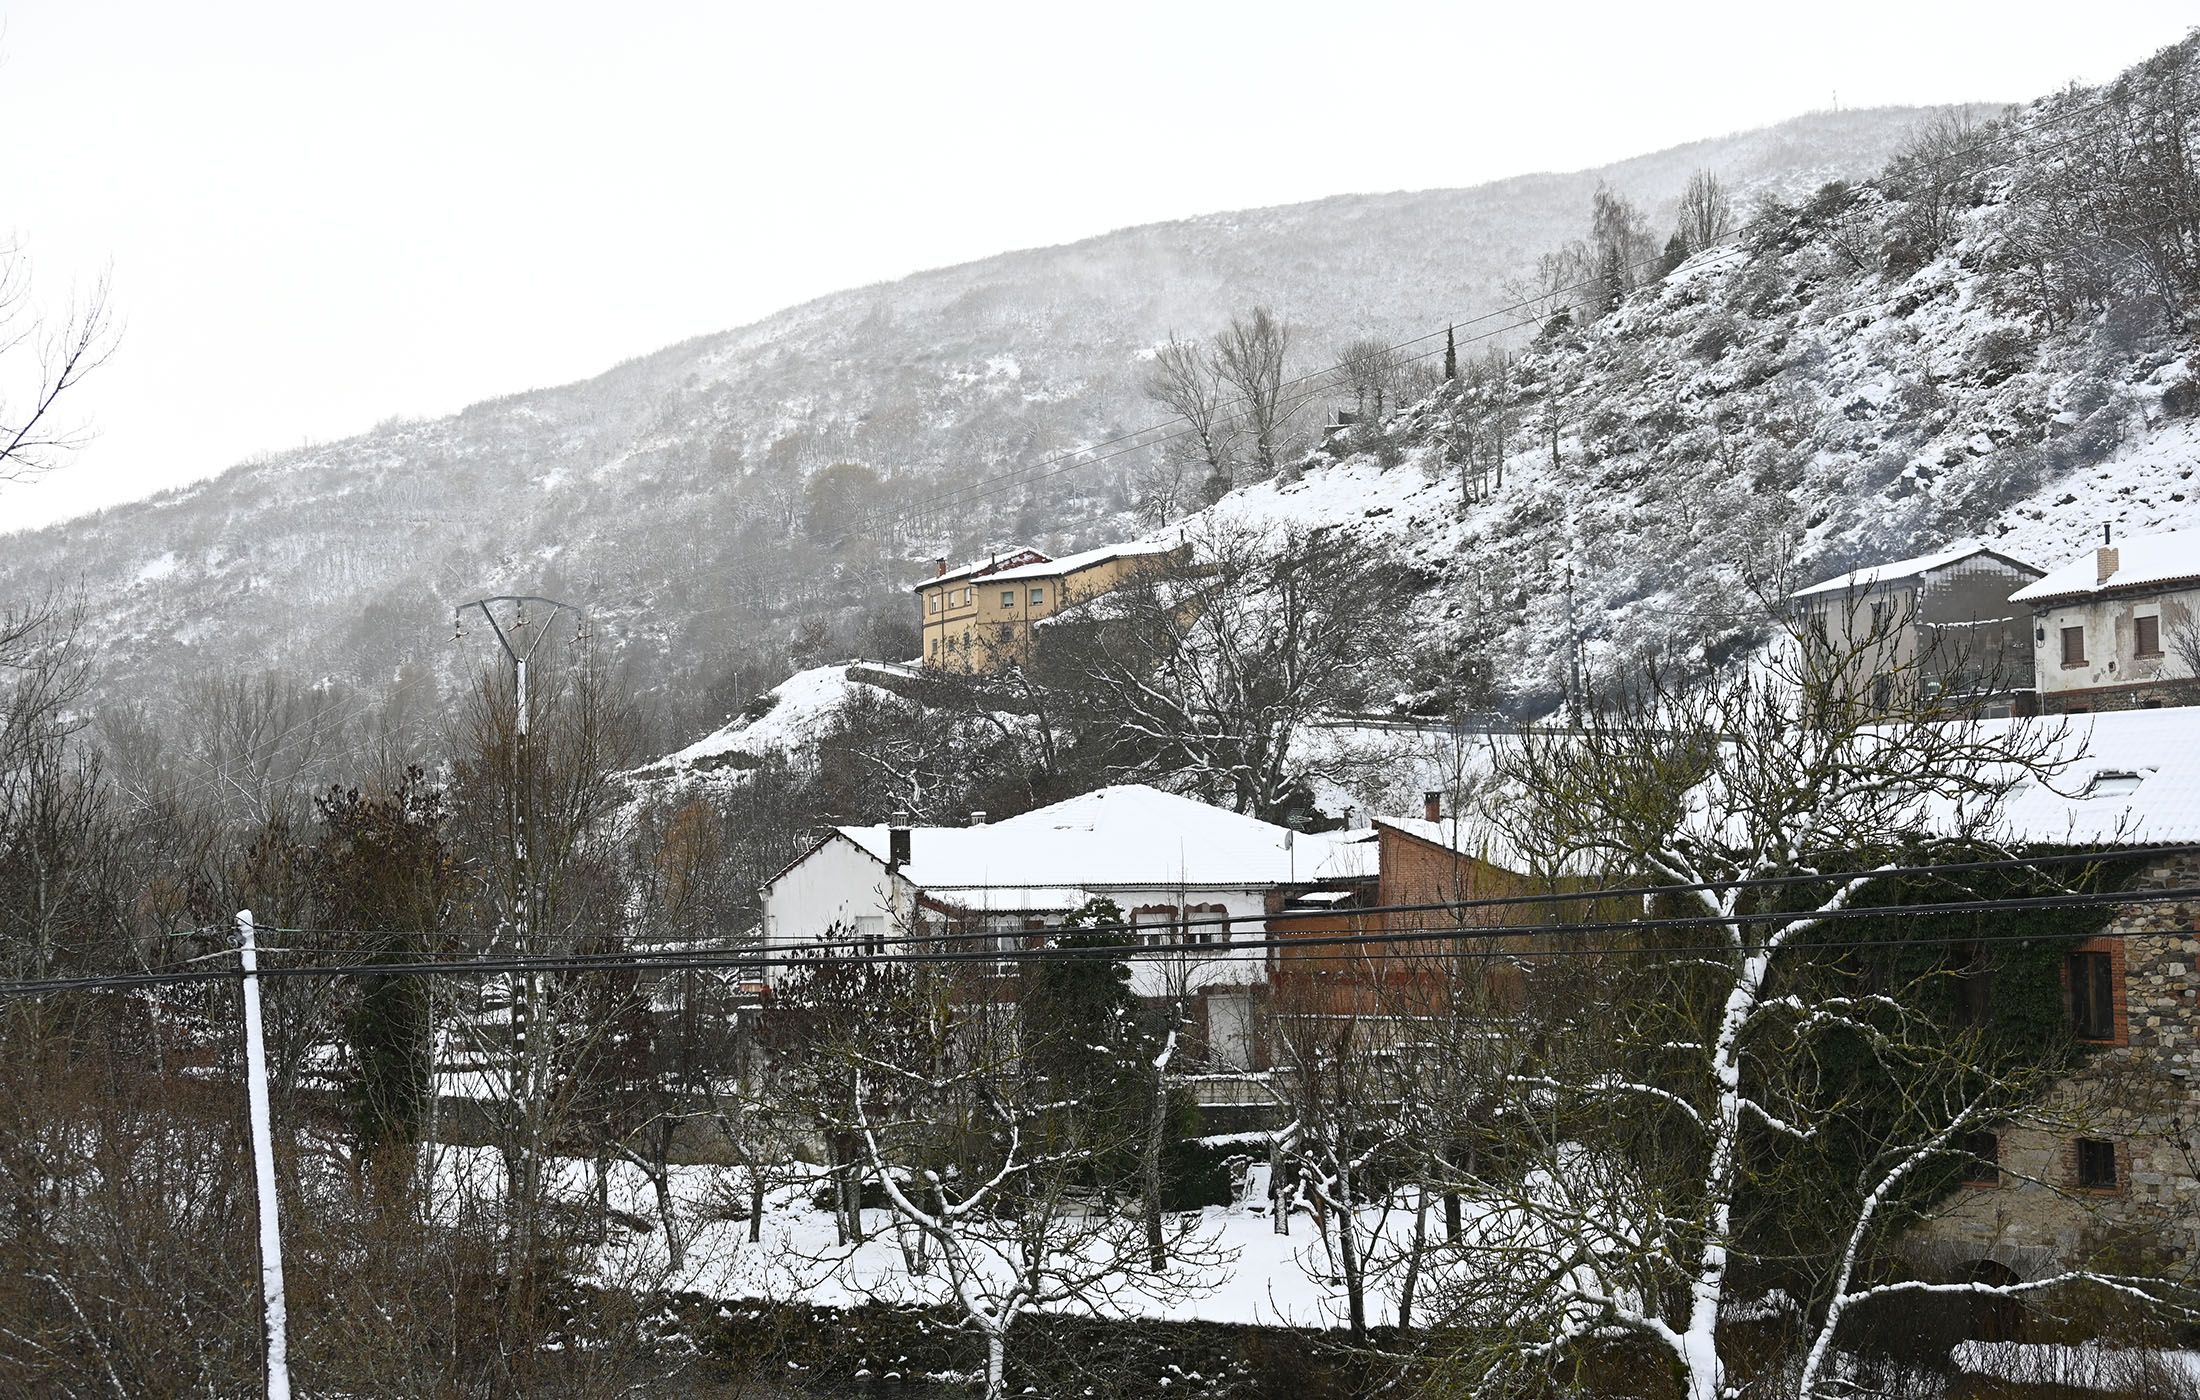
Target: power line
{"points": [[1222, 952], [857, 944]]}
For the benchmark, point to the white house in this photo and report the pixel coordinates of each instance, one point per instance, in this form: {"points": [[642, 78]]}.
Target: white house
{"points": [[2119, 629], [1182, 871]]}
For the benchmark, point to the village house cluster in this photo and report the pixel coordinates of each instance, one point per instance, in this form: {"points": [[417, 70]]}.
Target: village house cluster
{"points": [[2117, 629], [1231, 913]]}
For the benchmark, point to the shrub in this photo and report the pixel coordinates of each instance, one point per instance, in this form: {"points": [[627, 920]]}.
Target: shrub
{"points": [[2001, 353]]}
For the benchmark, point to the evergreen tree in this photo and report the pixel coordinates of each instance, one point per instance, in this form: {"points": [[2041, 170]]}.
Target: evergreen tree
{"points": [[382, 876], [1083, 1037], [1451, 356]]}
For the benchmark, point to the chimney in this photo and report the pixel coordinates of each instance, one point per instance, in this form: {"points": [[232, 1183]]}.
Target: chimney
{"points": [[2106, 561], [939, 566], [1432, 806], [977, 817], [897, 847]]}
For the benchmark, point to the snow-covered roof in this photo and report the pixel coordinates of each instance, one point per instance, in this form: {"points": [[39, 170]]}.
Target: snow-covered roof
{"points": [[1896, 570], [1072, 563], [2147, 561], [1016, 556], [1124, 837], [2132, 777]]}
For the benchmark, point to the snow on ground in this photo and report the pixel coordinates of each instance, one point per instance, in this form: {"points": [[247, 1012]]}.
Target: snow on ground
{"points": [[2091, 1368], [1250, 1275], [804, 703]]}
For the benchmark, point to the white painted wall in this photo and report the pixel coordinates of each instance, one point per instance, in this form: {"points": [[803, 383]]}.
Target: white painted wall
{"points": [[839, 883], [2110, 656]]}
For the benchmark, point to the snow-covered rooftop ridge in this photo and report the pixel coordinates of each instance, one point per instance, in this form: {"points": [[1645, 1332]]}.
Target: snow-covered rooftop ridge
{"points": [[2130, 777], [1127, 836], [1896, 570], [2143, 561], [1014, 556], [1071, 563]]}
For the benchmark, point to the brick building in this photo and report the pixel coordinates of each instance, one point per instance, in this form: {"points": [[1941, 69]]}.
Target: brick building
{"points": [[1435, 858]]}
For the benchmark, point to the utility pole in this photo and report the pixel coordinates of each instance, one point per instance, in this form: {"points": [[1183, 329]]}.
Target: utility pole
{"points": [[532, 1036], [263, 1166]]}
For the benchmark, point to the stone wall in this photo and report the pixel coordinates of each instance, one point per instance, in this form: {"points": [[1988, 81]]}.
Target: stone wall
{"points": [[2139, 1090], [2166, 693]]}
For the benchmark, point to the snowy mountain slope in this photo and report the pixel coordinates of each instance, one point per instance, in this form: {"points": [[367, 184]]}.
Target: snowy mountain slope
{"points": [[670, 492], [1805, 398]]}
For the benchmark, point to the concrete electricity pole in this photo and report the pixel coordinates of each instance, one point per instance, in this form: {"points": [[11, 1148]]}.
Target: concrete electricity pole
{"points": [[263, 1166], [533, 1037]]}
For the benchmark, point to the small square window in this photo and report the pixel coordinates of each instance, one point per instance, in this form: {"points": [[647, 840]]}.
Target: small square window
{"points": [[2146, 635], [1982, 1164], [2073, 646], [1008, 597], [2096, 1164], [1038, 596]]}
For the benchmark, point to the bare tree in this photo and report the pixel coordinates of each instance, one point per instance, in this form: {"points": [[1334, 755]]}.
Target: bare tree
{"points": [[1189, 383], [1621, 250], [1372, 371], [1703, 1071], [41, 360], [1706, 212], [1250, 355], [969, 1149], [532, 823], [1211, 672]]}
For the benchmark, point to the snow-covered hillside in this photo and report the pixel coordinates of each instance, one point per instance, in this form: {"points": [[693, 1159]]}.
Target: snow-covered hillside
{"points": [[1783, 409], [677, 496]]}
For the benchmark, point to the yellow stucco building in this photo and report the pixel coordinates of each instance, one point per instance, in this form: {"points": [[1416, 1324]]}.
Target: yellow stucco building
{"points": [[979, 617]]}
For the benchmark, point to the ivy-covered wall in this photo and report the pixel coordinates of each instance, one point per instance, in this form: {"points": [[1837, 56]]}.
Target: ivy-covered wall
{"points": [[2140, 1090]]}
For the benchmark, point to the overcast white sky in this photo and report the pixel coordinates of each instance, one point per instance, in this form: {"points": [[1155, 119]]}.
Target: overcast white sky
{"points": [[318, 216]]}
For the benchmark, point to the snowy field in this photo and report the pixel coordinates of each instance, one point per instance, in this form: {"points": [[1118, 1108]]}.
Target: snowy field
{"points": [[1248, 1273]]}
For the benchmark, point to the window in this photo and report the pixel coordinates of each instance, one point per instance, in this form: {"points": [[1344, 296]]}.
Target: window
{"points": [[2073, 646], [2092, 996], [935, 602], [871, 934], [1156, 924], [1879, 618], [1882, 693], [1008, 597], [1207, 923], [1983, 1154], [2146, 635], [2096, 1164], [1038, 596], [935, 646], [968, 594]]}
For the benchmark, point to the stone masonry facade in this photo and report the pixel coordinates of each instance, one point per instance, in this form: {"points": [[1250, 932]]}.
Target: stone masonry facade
{"points": [[2136, 1094]]}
